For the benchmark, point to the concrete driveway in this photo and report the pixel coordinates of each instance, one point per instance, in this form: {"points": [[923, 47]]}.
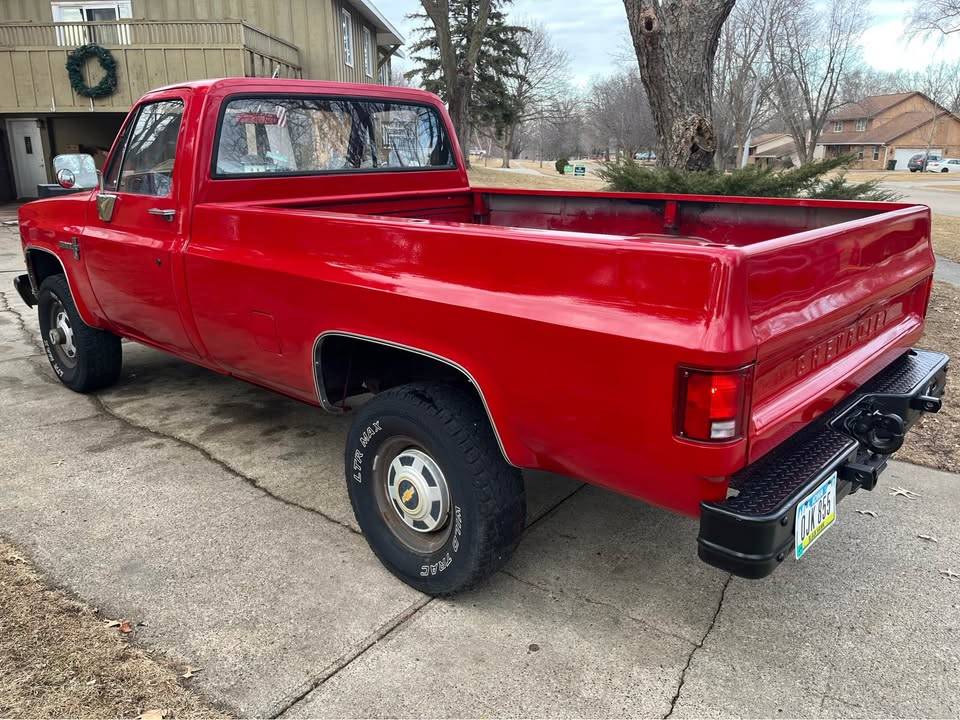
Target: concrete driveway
{"points": [[215, 514]]}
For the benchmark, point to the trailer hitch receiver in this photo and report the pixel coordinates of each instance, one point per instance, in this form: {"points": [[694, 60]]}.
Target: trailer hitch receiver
{"points": [[881, 433]]}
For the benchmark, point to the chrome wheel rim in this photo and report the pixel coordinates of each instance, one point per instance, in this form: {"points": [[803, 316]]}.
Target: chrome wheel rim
{"points": [[60, 334], [413, 495]]}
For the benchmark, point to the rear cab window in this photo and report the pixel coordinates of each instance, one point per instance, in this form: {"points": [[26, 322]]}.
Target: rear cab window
{"points": [[283, 136]]}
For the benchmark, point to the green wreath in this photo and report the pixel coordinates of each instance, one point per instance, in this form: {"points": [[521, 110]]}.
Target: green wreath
{"points": [[78, 58]]}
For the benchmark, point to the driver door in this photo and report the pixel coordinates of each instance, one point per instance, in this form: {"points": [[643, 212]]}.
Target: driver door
{"points": [[135, 227]]}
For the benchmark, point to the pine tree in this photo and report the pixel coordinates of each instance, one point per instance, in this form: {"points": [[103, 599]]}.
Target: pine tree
{"points": [[483, 47]]}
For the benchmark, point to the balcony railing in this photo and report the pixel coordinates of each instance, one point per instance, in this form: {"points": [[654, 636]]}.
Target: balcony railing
{"points": [[170, 51]]}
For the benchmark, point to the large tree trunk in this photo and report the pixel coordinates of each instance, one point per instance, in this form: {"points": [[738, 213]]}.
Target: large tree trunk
{"points": [[676, 43], [458, 105], [458, 71], [508, 135]]}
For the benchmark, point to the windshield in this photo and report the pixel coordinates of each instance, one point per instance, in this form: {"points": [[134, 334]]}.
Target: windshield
{"points": [[296, 136]]}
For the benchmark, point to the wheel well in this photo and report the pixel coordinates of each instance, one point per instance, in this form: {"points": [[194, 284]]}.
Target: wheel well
{"points": [[42, 265], [348, 366]]}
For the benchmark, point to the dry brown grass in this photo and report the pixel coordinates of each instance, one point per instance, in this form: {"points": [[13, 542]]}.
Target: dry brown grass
{"points": [[888, 176], [935, 442], [58, 658], [946, 236], [489, 177]]}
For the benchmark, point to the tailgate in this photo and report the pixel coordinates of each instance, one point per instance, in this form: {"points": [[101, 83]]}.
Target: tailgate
{"points": [[830, 308]]}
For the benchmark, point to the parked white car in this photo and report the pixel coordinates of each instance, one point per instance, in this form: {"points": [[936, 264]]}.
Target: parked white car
{"points": [[946, 165]]}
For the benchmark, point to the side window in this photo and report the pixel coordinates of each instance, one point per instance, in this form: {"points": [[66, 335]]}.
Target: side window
{"points": [[112, 171], [151, 150]]}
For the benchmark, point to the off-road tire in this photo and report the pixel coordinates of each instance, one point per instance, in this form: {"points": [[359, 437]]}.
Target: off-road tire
{"points": [[99, 357], [487, 508]]}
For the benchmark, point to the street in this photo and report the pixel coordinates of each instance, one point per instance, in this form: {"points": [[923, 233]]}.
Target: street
{"points": [[214, 513]]}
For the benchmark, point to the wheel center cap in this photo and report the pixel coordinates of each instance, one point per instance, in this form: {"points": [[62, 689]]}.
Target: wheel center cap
{"points": [[409, 497], [418, 491]]}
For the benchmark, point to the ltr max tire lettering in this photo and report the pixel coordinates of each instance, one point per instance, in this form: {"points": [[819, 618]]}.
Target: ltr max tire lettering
{"points": [[432, 493]]}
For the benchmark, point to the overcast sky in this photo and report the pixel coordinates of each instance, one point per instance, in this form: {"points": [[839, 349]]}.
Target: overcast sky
{"points": [[592, 32]]}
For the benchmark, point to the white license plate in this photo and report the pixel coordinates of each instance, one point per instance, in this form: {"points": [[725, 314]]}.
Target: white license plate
{"points": [[815, 513]]}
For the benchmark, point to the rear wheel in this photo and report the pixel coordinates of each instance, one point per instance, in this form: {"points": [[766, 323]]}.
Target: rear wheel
{"points": [[84, 358], [433, 494]]}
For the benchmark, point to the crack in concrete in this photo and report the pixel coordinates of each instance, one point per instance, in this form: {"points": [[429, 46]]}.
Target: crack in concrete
{"points": [[345, 660], [348, 658], [553, 508], [227, 467], [19, 359], [697, 646], [599, 603], [25, 332]]}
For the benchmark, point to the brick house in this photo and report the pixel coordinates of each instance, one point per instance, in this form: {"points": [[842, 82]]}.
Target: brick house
{"points": [[884, 129]]}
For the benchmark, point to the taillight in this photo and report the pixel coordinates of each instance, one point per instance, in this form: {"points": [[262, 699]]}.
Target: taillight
{"points": [[712, 405]]}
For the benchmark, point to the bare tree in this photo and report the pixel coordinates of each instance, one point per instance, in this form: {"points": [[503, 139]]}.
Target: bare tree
{"points": [[563, 132], [621, 115], [458, 69], [810, 48], [536, 84], [743, 82], [676, 45], [936, 17]]}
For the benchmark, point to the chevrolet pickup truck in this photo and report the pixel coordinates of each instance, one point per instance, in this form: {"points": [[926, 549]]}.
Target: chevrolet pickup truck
{"points": [[746, 361]]}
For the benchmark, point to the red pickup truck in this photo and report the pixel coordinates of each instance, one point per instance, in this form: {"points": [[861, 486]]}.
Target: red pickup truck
{"points": [[745, 361]]}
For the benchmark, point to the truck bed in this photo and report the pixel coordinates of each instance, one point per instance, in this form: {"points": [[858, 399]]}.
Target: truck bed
{"points": [[703, 219], [816, 296]]}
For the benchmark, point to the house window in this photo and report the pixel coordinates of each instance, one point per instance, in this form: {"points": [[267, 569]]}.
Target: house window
{"points": [[860, 155], [861, 125], [346, 30], [367, 52], [838, 125], [103, 17], [876, 152]]}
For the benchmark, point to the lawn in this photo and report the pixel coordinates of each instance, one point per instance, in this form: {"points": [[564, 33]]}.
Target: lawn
{"points": [[946, 236], [935, 442], [525, 176], [60, 658]]}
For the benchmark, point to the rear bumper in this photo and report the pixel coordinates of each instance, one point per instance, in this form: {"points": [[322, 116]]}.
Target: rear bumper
{"points": [[752, 533]]}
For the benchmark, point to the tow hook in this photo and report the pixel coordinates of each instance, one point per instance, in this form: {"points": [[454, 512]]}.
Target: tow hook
{"points": [[927, 403], [881, 433]]}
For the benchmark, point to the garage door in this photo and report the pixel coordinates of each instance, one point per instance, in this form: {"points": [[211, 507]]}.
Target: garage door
{"points": [[903, 155]]}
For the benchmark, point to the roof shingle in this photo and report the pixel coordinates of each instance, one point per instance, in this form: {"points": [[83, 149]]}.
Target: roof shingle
{"points": [[869, 106]]}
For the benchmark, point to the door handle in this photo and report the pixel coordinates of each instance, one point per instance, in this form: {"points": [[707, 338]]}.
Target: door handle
{"points": [[167, 215]]}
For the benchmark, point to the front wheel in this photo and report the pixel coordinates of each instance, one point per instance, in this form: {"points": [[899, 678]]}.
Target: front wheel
{"points": [[435, 498], [84, 358]]}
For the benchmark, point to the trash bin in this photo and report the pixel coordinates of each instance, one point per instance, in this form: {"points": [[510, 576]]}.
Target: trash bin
{"points": [[891, 164]]}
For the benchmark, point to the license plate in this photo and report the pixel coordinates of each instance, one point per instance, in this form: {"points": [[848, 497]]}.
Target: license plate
{"points": [[815, 513]]}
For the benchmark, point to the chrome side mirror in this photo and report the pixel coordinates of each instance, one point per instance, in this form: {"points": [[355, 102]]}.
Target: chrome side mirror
{"points": [[106, 202], [66, 179], [82, 169]]}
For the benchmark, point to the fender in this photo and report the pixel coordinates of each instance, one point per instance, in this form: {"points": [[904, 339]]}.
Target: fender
{"points": [[78, 300], [331, 408]]}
